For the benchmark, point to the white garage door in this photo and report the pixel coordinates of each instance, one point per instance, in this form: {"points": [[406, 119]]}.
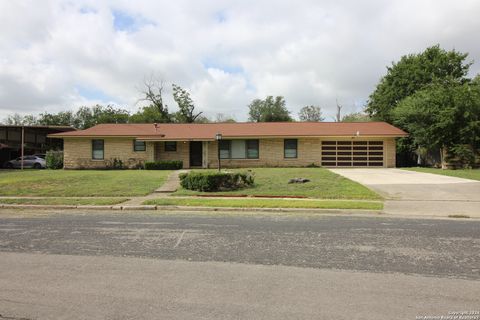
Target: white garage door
{"points": [[352, 153]]}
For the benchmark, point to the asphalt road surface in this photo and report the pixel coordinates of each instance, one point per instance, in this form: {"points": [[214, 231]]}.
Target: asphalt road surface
{"points": [[200, 266]]}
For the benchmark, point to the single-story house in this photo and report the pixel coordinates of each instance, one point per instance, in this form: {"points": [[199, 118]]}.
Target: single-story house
{"points": [[267, 144]]}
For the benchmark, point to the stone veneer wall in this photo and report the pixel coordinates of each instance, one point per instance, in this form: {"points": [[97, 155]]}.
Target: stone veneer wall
{"points": [[271, 155], [78, 153], [182, 153], [309, 152]]}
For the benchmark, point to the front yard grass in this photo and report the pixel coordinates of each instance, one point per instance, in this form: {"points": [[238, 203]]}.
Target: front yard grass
{"points": [[64, 201], [80, 183], [267, 203], [323, 184], [473, 174]]}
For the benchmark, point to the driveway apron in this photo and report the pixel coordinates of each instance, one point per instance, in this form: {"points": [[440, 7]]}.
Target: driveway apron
{"points": [[409, 192]]}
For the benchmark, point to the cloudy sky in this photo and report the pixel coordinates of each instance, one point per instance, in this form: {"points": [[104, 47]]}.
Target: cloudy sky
{"points": [[57, 55]]}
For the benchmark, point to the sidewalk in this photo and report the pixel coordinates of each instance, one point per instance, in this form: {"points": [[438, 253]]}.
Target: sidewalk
{"points": [[170, 186]]}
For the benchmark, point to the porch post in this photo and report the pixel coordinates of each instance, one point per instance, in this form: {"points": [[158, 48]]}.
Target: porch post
{"points": [[205, 154], [218, 137], [153, 153]]}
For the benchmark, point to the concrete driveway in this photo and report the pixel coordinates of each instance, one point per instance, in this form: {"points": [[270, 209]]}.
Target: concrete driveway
{"points": [[412, 192]]}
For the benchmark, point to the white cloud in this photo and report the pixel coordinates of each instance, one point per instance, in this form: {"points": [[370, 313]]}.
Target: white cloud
{"points": [[312, 52]]}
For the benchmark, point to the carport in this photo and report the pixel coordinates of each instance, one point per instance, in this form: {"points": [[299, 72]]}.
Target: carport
{"points": [[35, 140]]}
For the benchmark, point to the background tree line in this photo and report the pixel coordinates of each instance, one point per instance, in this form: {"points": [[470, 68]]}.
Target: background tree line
{"points": [[269, 109]]}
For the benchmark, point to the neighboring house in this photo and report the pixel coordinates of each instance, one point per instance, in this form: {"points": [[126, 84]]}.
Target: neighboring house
{"points": [[266, 144], [35, 140]]}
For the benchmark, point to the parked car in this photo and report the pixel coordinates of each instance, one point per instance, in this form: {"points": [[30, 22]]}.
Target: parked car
{"points": [[40, 155], [34, 162]]}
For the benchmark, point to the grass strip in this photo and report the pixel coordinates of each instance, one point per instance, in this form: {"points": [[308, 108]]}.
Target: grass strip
{"points": [[267, 203], [64, 201], [473, 174]]}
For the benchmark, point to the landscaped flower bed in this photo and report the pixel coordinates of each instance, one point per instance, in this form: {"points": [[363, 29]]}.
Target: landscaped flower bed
{"points": [[216, 181]]}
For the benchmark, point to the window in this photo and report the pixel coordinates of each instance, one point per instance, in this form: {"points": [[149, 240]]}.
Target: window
{"points": [[239, 149], [290, 148], [171, 146], [252, 149], [224, 146], [139, 145], [97, 149]]}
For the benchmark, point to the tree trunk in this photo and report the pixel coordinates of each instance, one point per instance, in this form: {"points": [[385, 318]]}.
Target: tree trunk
{"points": [[442, 158]]}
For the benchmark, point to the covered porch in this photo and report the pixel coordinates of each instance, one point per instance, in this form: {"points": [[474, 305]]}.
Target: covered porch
{"points": [[194, 154]]}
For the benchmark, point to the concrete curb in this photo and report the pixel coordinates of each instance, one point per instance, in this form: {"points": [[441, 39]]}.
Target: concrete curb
{"points": [[188, 208], [291, 210], [37, 206], [350, 212]]}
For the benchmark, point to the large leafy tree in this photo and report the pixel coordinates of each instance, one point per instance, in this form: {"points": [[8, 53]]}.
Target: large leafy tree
{"points": [[186, 113], [415, 72], [443, 116], [311, 113], [269, 110]]}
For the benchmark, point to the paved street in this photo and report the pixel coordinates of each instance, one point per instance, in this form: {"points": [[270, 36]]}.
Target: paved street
{"points": [[184, 266]]}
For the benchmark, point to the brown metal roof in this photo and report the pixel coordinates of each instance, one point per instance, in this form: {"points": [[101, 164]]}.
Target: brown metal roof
{"points": [[207, 131], [57, 128]]}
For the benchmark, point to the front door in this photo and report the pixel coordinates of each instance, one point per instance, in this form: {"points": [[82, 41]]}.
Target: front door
{"points": [[196, 151]]}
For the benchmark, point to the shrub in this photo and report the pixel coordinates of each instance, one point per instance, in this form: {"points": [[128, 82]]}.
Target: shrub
{"points": [[164, 165], [54, 159], [114, 164], [216, 181], [462, 156]]}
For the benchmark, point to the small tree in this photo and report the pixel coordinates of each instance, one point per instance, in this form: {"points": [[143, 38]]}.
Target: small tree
{"points": [[187, 113], [269, 110], [153, 93], [54, 159], [221, 117], [311, 113], [356, 117], [17, 120]]}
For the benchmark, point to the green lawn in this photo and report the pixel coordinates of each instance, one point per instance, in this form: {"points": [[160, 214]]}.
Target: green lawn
{"points": [[80, 183], [64, 201], [274, 182], [267, 203], [473, 174]]}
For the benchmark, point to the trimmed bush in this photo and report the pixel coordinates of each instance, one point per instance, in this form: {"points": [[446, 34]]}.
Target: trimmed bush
{"points": [[216, 181], [164, 165], [54, 159], [115, 164]]}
